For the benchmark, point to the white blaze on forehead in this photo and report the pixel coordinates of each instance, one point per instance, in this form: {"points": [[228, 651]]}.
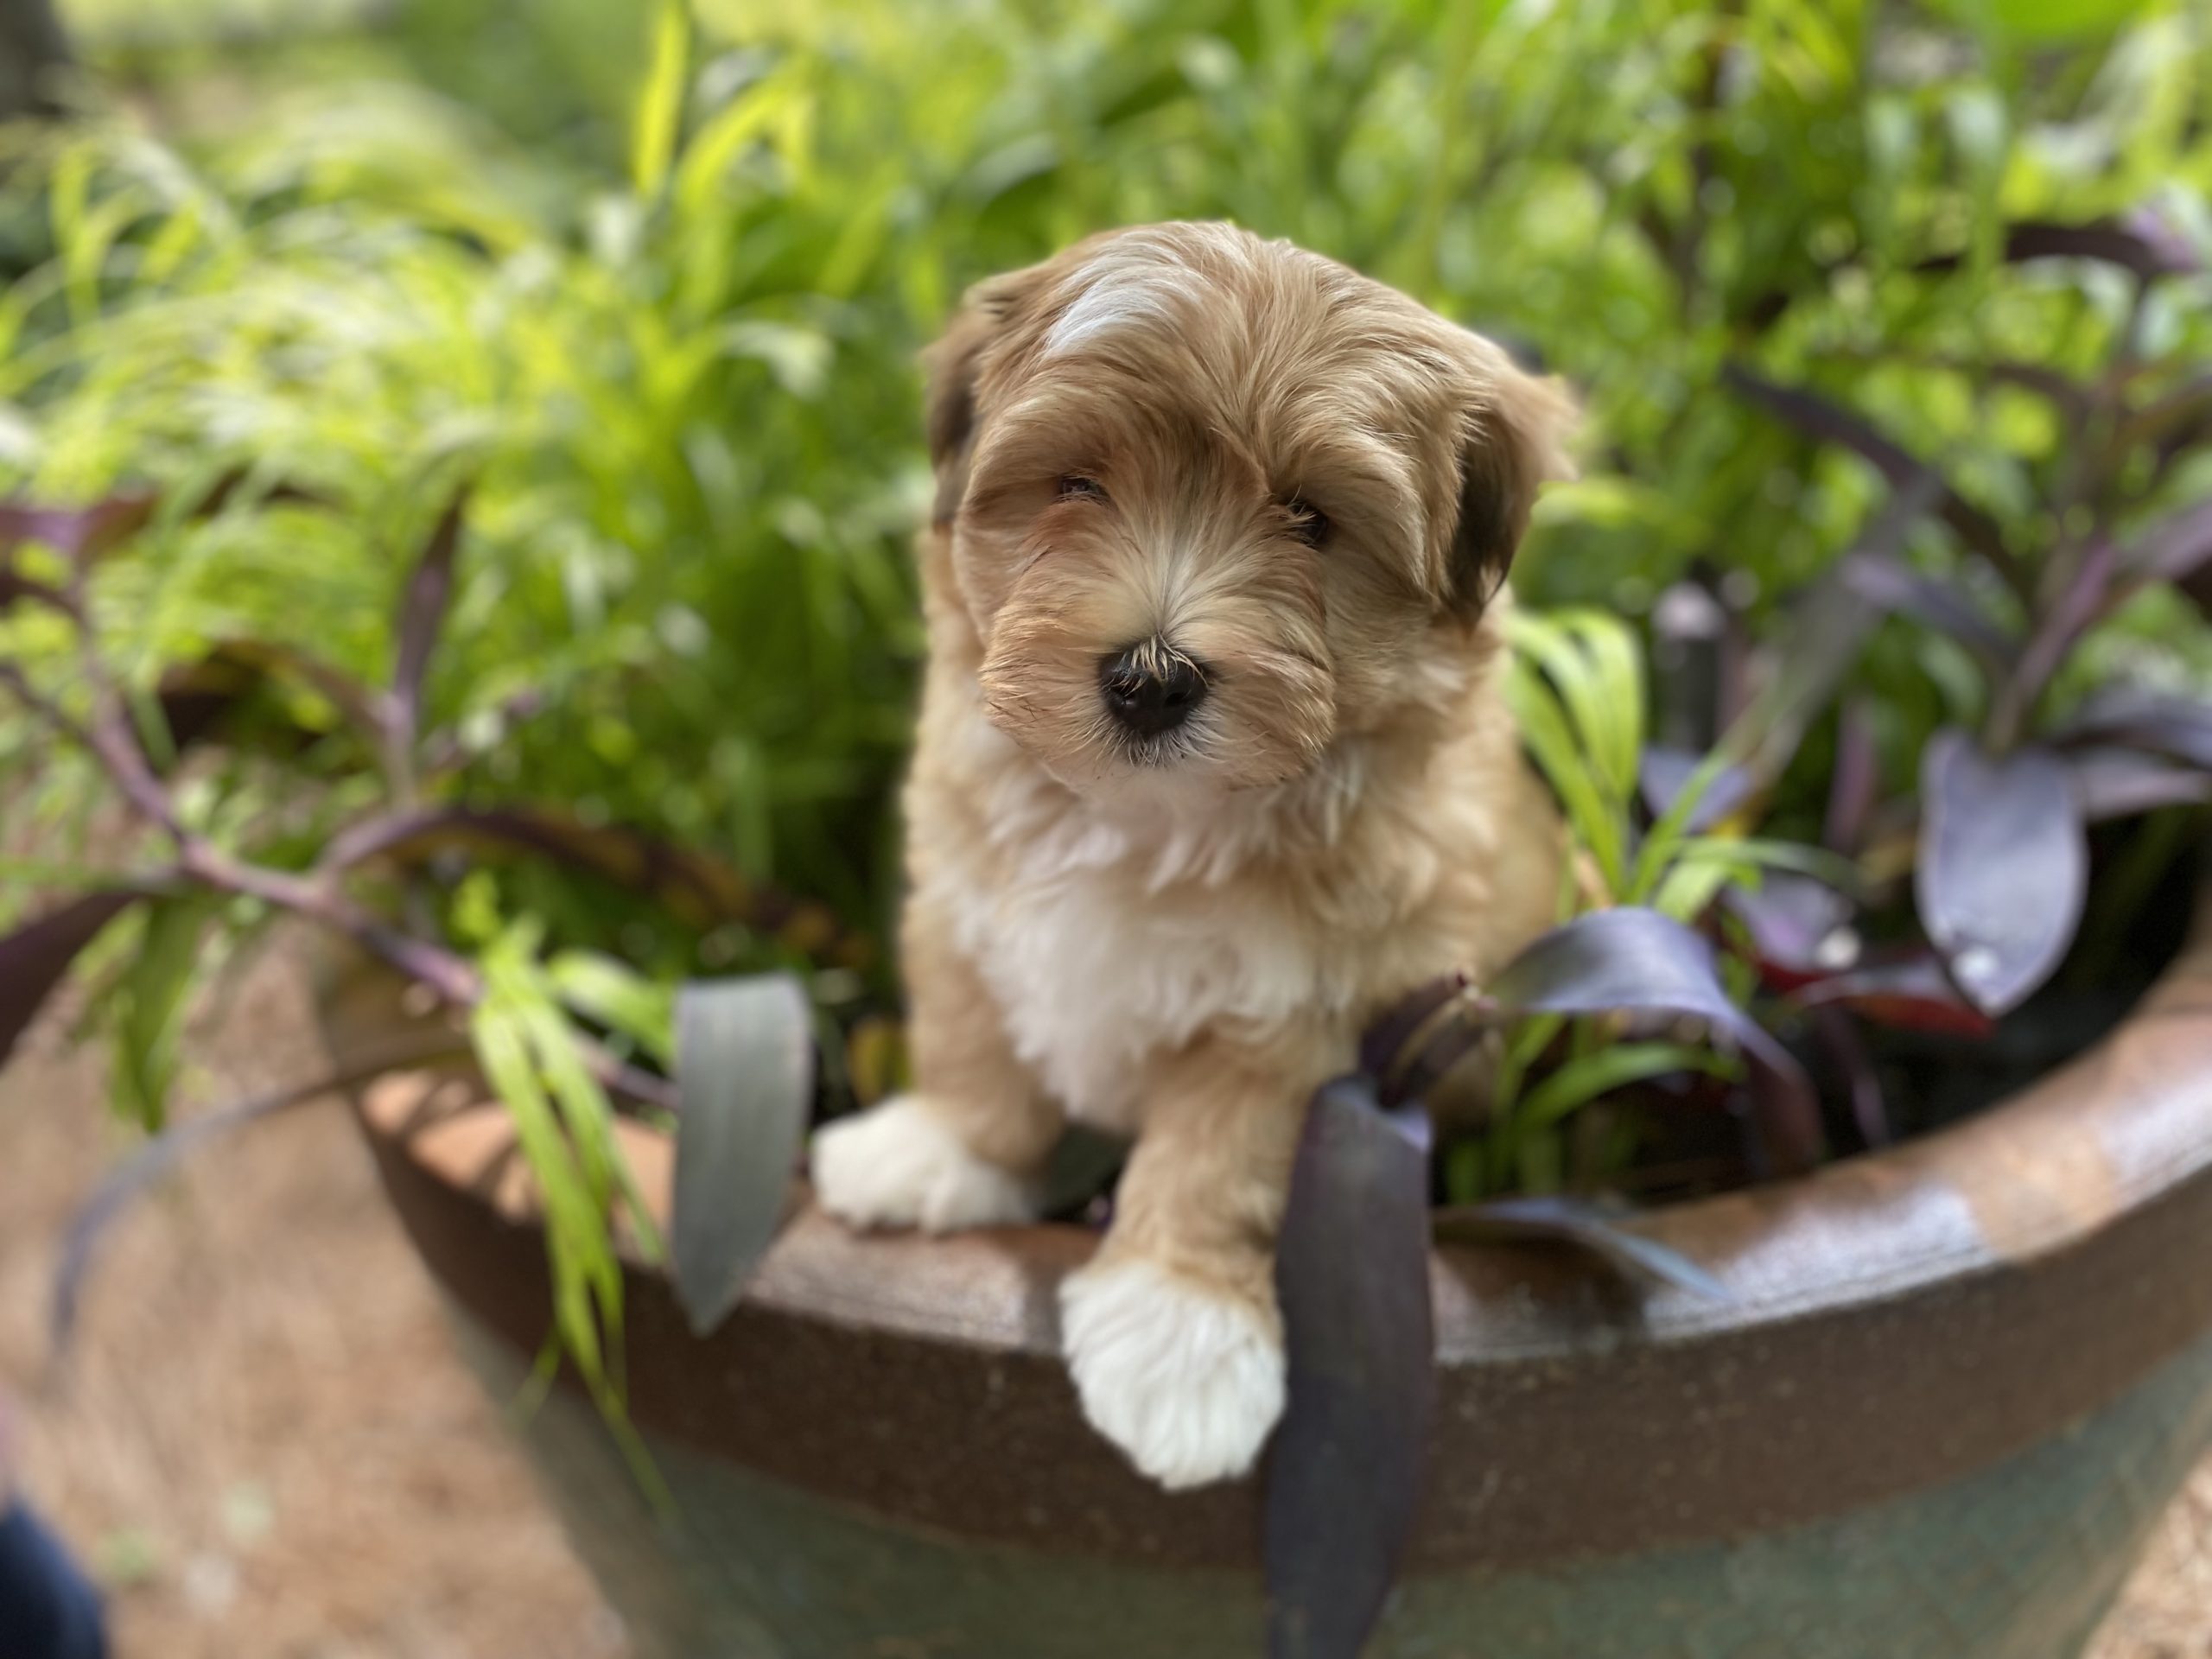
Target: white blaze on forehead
{"points": [[1119, 288]]}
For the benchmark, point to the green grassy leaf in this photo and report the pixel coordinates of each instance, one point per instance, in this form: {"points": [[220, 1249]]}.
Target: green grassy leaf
{"points": [[1597, 824], [660, 106], [617, 996], [148, 1006]]}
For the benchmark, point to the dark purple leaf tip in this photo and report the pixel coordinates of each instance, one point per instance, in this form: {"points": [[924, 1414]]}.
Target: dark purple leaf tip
{"points": [[1345, 1470], [2003, 865], [1636, 960]]}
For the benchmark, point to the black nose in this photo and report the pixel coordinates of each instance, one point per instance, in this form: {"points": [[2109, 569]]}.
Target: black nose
{"points": [[1151, 689]]}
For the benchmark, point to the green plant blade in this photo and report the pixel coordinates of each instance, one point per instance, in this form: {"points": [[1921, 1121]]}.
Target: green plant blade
{"points": [[1581, 1081], [150, 1009], [586, 1279], [660, 109], [617, 997]]}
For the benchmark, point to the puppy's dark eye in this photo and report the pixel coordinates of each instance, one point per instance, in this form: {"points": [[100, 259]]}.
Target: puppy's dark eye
{"points": [[1309, 523], [1076, 487]]}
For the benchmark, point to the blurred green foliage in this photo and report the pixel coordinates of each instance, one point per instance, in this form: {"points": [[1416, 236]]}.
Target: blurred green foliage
{"points": [[659, 296]]}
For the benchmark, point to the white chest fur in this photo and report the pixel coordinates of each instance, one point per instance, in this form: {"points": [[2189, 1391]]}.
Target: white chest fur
{"points": [[1095, 967]]}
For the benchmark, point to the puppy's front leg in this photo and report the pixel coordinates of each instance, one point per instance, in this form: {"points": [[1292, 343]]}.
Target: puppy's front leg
{"points": [[1173, 1333], [965, 1149]]}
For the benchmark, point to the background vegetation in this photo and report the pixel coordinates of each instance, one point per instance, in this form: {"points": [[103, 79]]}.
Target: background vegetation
{"points": [[648, 283]]}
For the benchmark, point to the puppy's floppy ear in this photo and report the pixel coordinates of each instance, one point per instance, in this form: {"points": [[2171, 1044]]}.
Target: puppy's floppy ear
{"points": [[1517, 437], [954, 366]]}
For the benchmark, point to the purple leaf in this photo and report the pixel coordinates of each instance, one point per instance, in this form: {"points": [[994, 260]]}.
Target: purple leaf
{"points": [[1827, 631], [1856, 782], [702, 888], [82, 533], [422, 612], [745, 1068], [1443, 1046], [1847, 1049], [1831, 422], [1914, 993], [1383, 1050], [2173, 725], [1800, 928], [1893, 585], [2177, 727], [2173, 549], [2003, 865], [1663, 773], [1586, 1226], [33, 958], [1343, 1474], [2116, 783], [14, 585], [2139, 241], [157, 1156], [2087, 597], [195, 696], [1634, 960]]}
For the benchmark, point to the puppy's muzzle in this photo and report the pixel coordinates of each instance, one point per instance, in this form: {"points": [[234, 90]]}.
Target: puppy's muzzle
{"points": [[1151, 688]]}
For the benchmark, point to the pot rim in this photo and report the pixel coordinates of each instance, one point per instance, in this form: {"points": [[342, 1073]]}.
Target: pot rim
{"points": [[2106, 1133], [1898, 1319]]}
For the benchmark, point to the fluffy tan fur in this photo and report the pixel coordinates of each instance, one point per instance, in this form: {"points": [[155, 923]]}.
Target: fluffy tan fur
{"points": [[1139, 444]]}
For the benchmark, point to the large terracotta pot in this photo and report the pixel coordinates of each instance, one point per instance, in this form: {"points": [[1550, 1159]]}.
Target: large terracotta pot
{"points": [[1956, 1384]]}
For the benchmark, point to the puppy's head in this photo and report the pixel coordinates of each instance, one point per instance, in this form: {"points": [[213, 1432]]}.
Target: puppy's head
{"points": [[1213, 500]]}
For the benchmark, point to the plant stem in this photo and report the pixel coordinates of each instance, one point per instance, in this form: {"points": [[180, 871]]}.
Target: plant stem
{"points": [[319, 899]]}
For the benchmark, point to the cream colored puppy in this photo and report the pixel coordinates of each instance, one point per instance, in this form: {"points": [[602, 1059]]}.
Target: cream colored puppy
{"points": [[1212, 768]]}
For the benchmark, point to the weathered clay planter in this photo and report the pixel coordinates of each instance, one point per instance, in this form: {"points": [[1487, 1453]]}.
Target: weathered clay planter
{"points": [[1957, 1383]]}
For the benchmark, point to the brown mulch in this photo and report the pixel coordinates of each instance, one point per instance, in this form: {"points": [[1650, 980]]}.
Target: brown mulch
{"points": [[264, 1446]]}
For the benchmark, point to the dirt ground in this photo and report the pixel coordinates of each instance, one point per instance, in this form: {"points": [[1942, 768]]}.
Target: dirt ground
{"points": [[264, 1446]]}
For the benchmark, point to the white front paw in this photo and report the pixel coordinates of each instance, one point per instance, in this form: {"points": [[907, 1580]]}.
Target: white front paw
{"points": [[1186, 1379], [898, 1165]]}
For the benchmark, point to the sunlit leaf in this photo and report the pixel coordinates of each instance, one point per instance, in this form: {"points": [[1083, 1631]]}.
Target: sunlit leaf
{"points": [[586, 1280], [1544, 729], [618, 998], [660, 106], [148, 1006]]}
